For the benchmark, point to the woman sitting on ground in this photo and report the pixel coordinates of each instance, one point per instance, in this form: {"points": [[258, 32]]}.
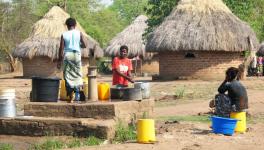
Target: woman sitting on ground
{"points": [[236, 99]]}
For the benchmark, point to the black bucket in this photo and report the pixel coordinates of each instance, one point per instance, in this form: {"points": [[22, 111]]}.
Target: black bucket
{"points": [[117, 93], [45, 89], [132, 94]]}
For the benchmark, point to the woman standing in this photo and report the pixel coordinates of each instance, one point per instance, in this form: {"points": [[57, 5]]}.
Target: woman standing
{"points": [[70, 53]]}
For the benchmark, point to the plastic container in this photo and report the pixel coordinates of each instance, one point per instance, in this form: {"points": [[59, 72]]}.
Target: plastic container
{"points": [[241, 125], [45, 89], [132, 94], [85, 86], [145, 89], [7, 103], [145, 131], [63, 92], [103, 91], [223, 125]]}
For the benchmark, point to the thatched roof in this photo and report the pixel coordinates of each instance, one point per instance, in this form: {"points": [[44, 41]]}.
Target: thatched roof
{"points": [[260, 52], [44, 39], [202, 25], [130, 36]]}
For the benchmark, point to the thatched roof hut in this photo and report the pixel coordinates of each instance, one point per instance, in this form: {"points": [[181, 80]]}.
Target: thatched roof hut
{"points": [[198, 31], [45, 36], [260, 52], [130, 36], [42, 46], [204, 25]]}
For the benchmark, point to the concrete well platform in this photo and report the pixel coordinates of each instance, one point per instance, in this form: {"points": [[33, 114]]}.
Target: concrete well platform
{"points": [[81, 119], [122, 110], [51, 126]]}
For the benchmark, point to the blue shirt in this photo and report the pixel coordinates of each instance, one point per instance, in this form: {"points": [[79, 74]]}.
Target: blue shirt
{"points": [[72, 40]]}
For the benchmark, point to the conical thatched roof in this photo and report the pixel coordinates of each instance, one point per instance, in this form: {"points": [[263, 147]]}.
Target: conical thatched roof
{"points": [[44, 39], [203, 25], [130, 36], [260, 52]]}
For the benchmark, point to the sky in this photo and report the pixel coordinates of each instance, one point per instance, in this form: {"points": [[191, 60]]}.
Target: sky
{"points": [[107, 2]]}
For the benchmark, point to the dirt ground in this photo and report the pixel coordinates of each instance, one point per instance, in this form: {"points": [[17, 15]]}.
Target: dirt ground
{"points": [[173, 98]]}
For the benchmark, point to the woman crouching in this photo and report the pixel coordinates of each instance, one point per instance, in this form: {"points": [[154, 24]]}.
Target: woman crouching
{"points": [[236, 99]]}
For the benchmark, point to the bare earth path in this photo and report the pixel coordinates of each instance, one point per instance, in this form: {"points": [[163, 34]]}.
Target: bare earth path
{"points": [[178, 136]]}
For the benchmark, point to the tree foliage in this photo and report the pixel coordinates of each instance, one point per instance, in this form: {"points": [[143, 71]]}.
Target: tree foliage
{"points": [[251, 11], [129, 9], [158, 10]]}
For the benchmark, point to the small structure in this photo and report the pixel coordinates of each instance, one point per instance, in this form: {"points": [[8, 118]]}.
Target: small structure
{"points": [[132, 37], [39, 51], [57, 119], [200, 39]]}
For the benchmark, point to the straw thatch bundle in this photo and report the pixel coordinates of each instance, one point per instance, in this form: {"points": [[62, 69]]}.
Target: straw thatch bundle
{"points": [[260, 52], [202, 25], [130, 36], [44, 39]]}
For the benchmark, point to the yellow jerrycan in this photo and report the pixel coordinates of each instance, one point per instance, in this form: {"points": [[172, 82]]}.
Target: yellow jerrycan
{"points": [[146, 131], [63, 92], [241, 125], [103, 91]]}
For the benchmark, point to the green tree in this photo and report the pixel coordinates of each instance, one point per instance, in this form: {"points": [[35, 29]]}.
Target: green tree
{"points": [[157, 11], [129, 9]]}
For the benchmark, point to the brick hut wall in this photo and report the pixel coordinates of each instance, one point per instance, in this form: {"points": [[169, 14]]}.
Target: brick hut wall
{"points": [[205, 65], [44, 67], [151, 67]]}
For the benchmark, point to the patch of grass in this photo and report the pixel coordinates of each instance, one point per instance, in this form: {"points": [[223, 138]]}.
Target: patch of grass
{"points": [[125, 133], [90, 141], [255, 119], [50, 144], [179, 93], [203, 118], [4, 146], [74, 143]]}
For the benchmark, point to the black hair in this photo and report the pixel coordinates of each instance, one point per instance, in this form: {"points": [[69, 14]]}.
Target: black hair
{"points": [[70, 22], [233, 73], [123, 47]]}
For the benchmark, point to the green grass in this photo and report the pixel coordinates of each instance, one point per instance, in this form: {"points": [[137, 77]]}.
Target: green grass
{"points": [[49, 144], [74, 143], [52, 144], [125, 133], [90, 141], [4, 146], [203, 119]]}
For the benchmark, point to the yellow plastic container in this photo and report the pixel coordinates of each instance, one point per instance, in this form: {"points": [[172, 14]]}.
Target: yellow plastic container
{"points": [[241, 125], [103, 91], [85, 86], [145, 131], [63, 92]]}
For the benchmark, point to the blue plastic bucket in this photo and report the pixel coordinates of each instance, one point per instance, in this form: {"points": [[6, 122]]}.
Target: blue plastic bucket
{"points": [[223, 125]]}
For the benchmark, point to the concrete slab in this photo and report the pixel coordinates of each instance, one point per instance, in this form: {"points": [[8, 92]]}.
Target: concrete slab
{"points": [[98, 110], [56, 126]]}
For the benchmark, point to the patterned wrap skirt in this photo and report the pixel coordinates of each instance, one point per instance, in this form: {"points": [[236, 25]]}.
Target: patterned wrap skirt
{"points": [[72, 71]]}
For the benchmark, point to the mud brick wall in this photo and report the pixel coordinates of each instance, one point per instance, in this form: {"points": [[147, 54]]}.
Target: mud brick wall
{"points": [[45, 67], [146, 66], [205, 65]]}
